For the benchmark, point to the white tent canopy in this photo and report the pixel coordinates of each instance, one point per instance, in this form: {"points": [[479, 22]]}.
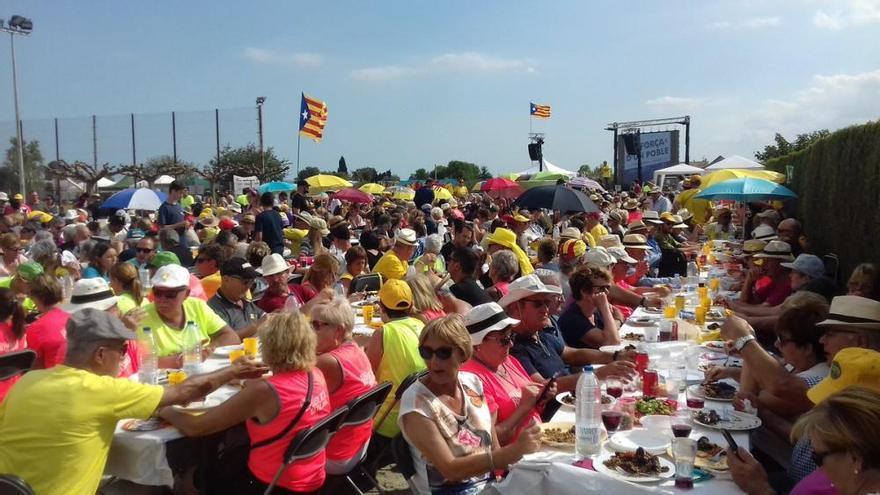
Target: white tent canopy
{"points": [[680, 169], [163, 180], [548, 167], [735, 162], [105, 182]]}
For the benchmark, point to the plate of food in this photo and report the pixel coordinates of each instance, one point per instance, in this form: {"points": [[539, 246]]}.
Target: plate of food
{"points": [[650, 405], [735, 421], [653, 311], [617, 347], [209, 402], [363, 302], [226, 349], [710, 455], [634, 337], [638, 466], [716, 315], [654, 442], [567, 400], [720, 391], [561, 435], [642, 321], [715, 345]]}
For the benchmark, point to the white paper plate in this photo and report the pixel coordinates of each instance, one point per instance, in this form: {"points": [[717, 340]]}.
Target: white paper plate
{"points": [[571, 407], [564, 425], [714, 346], [226, 349], [617, 347], [599, 465], [630, 440], [738, 422]]}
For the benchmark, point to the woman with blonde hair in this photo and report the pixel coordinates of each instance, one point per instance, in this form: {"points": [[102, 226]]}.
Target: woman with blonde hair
{"points": [[446, 418], [274, 409], [426, 306], [317, 230], [321, 276], [127, 286], [12, 257], [865, 281]]}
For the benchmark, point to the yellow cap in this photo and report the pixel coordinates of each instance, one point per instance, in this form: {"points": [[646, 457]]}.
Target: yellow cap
{"points": [[520, 218], [295, 234], [851, 366], [396, 294]]}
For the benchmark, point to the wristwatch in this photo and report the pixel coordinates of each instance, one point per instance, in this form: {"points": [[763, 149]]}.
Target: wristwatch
{"points": [[741, 342]]}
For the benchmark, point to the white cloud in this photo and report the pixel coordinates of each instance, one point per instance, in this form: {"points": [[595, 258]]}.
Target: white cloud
{"points": [[270, 57], [753, 23], [470, 62], [848, 13]]}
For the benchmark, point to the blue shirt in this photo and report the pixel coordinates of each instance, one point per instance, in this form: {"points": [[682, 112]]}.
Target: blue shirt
{"points": [[169, 214], [574, 325], [540, 353], [269, 223], [92, 272]]}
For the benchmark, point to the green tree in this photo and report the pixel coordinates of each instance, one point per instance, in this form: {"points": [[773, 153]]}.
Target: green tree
{"points": [[457, 169], [34, 170], [782, 146], [83, 172], [307, 172], [157, 166], [588, 171], [484, 173], [365, 174], [387, 176], [245, 161], [420, 174], [343, 168]]}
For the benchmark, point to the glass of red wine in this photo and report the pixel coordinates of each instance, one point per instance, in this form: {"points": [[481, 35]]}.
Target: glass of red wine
{"points": [[614, 387], [611, 418], [681, 423]]}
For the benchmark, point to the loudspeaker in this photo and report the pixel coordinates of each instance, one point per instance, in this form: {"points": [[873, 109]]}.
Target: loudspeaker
{"points": [[631, 142], [535, 152]]}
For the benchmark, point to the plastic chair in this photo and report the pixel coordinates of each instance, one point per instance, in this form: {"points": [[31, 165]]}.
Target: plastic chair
{"points": [[16, 363], [360, 410], [309, 442], [13, 485], [398, 394]]}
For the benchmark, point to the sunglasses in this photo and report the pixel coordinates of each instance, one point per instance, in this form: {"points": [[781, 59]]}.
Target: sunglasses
{"points": [[144, 250], [166, 294], [819, 457], [503, 341], [442, 353]]}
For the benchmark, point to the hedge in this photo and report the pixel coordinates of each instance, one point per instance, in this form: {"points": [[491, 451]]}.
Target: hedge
{"points": [[837, 180]]}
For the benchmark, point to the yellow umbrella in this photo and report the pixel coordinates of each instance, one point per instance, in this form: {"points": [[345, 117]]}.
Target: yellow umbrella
{"points": [[442, 193], [511, 176], [322, 183], [372, 188], [404, 195], [727, 174]]}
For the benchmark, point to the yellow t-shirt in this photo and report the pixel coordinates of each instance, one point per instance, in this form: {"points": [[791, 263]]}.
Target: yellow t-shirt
{"points": [[588, 238], [211, 283], [169, 340], [700, 208], [56, 426], [125, 303], [598, 232], [390, 266], [400, 358], [187, 201]]}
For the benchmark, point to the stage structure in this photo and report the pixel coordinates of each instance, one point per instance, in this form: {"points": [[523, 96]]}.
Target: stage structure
{"points": [[638, 154]]}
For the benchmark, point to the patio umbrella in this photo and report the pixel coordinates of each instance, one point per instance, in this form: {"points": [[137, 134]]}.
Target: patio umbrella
{"points": [[353, 195], [372, 188], [556, 197], [502, 188], [546, 175], [401, 192], [442, 193], [585, 182], [276, 187], [511, 176], [135, 199], [163, 180], [746, 189], [727, 174], [323, 183]]}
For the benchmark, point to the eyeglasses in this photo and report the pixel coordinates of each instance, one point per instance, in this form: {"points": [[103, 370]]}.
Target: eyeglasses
{"points": [[503, 341], [166, 294], [819, 457], [144, 250], [599, 289], [442, 353]]}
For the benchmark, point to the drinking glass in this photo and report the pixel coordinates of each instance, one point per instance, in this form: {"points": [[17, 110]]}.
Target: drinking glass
{"points": [[681, 424], [368, 314], [235, 355], [250, 346], [684, 451], [611, 418], [614, 387]]}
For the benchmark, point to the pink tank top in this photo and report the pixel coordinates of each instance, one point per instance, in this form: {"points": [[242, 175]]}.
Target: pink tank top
{"points": [[304, 475], [357, 378]]}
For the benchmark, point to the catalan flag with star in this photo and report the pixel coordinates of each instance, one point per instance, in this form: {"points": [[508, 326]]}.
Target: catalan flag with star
{"points": [[540, 111], [312, 117]]}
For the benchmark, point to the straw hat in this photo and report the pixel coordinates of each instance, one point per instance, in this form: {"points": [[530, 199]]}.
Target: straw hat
{"points": [[776, 250], [853, 311], [486, 318], [764, 233], [652, 217], [637, 226], [635, 241], [524, 287], [609, 241]]}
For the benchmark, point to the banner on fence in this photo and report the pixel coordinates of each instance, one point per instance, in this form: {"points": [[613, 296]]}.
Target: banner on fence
{"points": [[239, 183]]}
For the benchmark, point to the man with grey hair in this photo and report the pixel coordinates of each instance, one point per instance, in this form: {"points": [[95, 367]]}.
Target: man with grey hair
{"points": [[169, 240], [57, 423]]}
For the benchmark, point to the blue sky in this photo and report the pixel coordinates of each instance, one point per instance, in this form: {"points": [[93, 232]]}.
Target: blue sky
{"points": [[412, 84]]}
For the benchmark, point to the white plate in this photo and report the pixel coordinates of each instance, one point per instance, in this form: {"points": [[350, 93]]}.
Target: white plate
{"points": [[570, 407], [738, 422], [599, 465], [564, 425], [692, 375], [653, 311], [643, 321], [617, 347], [697, 391], [226, 349], [629, 440]]}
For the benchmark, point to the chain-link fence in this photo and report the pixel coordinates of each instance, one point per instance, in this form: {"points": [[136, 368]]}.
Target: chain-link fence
{"points": [[194, 137]]}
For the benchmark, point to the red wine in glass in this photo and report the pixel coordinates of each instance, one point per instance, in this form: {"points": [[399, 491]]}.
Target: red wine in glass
{"points": [[615, 391], [685, 483], [611, 420], [695, 403], [681, 430]]}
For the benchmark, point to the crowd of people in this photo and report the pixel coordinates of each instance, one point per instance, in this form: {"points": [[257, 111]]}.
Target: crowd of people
{"points": [[490, 301]]}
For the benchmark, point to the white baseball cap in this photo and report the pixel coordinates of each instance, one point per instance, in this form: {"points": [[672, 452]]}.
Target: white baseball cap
{"points": [[171, 277], [600, 257], [90, 293], [272, 264]]}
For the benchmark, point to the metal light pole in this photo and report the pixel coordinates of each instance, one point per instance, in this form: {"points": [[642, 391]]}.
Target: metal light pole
{"points": [[17, 25], [260, 101]]}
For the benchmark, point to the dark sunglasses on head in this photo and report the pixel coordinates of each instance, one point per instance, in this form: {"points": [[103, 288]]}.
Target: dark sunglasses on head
{"points": [[442, 353], [166, 294]]}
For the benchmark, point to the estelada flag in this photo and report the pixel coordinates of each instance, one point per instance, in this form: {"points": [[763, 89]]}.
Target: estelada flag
{"points": [[312, 117], [540, 111]]}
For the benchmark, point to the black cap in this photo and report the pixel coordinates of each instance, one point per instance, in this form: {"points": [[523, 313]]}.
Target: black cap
{"points": [[238, 267]]}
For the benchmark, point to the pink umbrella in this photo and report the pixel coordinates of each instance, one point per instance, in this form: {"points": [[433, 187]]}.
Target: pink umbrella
{"points": [[353, 195], [500, 187], [585, 182]]}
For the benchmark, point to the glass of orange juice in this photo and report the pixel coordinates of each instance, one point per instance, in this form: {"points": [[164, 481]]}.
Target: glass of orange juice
{"points": [[236, 354], [670, 312], [250, 346], [700, 314], [714, 284], [679, 302], [368, 314], [176, 377]]}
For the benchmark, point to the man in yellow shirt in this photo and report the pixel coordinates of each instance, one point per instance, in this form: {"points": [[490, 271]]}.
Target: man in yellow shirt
{"points": [[594, 227], [395, 262], [700, 208], [57, 424]]}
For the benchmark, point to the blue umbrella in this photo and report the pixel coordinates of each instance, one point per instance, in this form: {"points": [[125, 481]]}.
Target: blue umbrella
{"points": [[746, 189], [276, 187], [135, 199]]}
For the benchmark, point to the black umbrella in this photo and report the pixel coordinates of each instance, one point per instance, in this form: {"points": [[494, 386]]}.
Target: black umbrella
{"points": [[555, 197]]}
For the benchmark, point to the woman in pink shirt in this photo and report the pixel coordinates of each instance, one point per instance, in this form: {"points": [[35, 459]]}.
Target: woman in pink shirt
{"points": [[46, 335], [503, 269], [348, 374], [426, 306], [11, 332], [512, 396]]}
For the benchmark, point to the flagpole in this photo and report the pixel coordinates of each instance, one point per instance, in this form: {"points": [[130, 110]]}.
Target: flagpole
{"points": [[298, 139]]}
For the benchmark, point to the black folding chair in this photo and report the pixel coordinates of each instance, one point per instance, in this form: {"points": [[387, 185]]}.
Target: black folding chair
{"points": [[309, 441], [403, 459], [832, 265], [398, 394], [360, 410], [16, 363], [13, 485]]}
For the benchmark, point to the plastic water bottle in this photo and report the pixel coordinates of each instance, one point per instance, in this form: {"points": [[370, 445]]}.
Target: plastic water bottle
{"points": [[339, 289], [588, 415], [192, 349], [144, 277], [693, 272], [147, 357]]}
